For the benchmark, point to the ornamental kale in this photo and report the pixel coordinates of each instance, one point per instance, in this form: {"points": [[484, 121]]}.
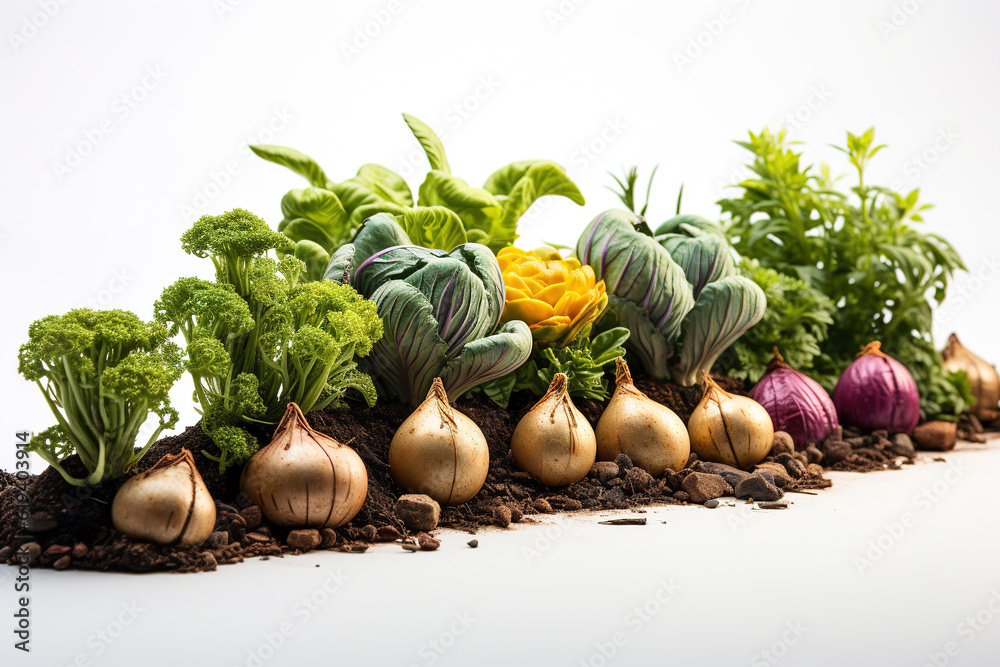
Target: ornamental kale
{"points": [[102, 374]]}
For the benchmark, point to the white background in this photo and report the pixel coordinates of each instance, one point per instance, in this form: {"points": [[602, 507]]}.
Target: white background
{"points": [[593, 85]]}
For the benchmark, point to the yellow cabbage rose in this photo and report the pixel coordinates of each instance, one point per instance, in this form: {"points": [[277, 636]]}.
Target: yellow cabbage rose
{"points": [[557, 298]]}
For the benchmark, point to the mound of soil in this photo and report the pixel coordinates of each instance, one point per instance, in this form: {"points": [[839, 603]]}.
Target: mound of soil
{"points": [[71, 526]]}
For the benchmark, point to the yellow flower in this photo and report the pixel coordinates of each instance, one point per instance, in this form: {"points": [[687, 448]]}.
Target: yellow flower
{"points": [[555, 297]]}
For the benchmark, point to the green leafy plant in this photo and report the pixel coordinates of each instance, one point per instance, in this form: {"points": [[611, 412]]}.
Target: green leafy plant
{"points": [[102, 374], [257, 339], [860, 247], [448, 211], [583, 362], [440, 311], [796, 319], [675, 290]]}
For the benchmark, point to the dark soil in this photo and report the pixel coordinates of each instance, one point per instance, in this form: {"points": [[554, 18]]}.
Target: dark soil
{"points": [[72, 526]]}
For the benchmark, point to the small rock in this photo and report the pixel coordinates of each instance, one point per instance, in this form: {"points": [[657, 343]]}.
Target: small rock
{"points": [[40, 522], [638, 480], [369, 532], [259, 538], [604, 471], [410, 546], [702, 487], [778, 472], [473, 543], [757, 486], [782, 443], [80, 550], [501, 515], [385, 534], [252, 516], [834, 452], [354, 548], [813, 455], [57, 550], [902, 445], [881, 434], [62, 563], [623, 462], [328, 537], [936, 436], [304, 539], [712, 504], [264, 530], [209, 562], [237, 530], [515, 514], [541, 505], [815, 469], [219, 538], [428, 543], [5, 553], [683, 496], [733, 476], [418, 511]]}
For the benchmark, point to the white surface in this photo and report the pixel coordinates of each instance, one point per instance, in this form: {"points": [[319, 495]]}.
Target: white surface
{"points": [[733, 580]]}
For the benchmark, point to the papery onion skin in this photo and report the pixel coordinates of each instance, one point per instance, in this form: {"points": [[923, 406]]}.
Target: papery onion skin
{"points": [[650, 434], [798, 405], [730, 429], [982, 376], [167, 504], [304, 478], [554, 442], [877, 392], [440, 452]]}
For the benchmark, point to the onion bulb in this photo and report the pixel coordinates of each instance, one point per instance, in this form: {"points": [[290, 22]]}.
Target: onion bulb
{"points": [[983, 377], [798, 405], [554, 441], [730, 429], [167, 504], [439, 451], [305, 479], [877, 392], [649, 433]]}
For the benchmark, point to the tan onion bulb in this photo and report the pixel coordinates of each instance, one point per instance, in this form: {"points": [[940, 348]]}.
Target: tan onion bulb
{"points": [[651, 434], [439, 451], [554, 441], [730, 429], [167, 504], [983, 377], [305, 479]]}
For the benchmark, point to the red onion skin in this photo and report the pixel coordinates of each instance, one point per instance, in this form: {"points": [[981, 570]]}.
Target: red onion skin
{"points": [[877, 392], [798, 405]]}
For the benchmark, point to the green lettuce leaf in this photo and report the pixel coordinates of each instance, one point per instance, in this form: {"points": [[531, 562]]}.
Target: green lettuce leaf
{"points": [[295, 160], [430, 141]]}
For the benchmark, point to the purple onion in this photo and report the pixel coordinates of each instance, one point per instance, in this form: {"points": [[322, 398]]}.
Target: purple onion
{"points": [[877, 392], [798, 405]]}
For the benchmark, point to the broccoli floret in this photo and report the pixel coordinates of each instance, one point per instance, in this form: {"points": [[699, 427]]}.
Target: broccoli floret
{"points": [[213, 308], [102, 374]]}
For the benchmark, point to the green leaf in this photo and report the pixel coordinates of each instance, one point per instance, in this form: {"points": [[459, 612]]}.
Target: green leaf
{"points": [[433, 227], [295, 160], [604, 346], [705, 259], [386, 184], [431, 143], [488, 358], [723, 313], [477, 208], [314, 256], [518, 186]]}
